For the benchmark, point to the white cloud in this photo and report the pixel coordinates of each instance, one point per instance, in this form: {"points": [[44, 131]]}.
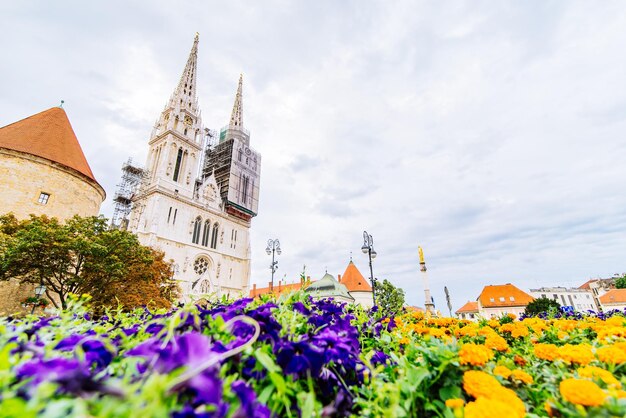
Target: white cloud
{"points": [[490, 134]]}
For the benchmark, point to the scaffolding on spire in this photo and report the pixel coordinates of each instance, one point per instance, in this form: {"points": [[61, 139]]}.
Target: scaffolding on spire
{"points": [[133, 178]]}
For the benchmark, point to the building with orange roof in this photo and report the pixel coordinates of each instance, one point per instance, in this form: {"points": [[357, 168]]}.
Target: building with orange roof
{"points": [[498, 300], [468, 311], [357, 285], [43, 170], [613, 299]]}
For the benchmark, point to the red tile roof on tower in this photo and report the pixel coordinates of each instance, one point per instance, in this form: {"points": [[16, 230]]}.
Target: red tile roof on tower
{"points": [[48, 135], [469, 307], [354, 280], [614, 296], [494, 296]]}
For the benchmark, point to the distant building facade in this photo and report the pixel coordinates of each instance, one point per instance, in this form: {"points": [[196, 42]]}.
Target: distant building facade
{"points": [[468, 311], [613, 299], [199, 197], [496, 301], [43, 171], [580, 300], [351, 287]]}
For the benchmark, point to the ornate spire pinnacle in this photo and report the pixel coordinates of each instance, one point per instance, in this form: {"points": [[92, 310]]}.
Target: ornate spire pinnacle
{"points": [[236, 117], [186, 89]]}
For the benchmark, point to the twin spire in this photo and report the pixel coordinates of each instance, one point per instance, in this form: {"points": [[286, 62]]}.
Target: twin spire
{"points": [[186, 89], [236, 117]]}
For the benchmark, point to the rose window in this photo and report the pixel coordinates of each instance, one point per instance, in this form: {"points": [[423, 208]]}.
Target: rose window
{"points": [[200, 265]]}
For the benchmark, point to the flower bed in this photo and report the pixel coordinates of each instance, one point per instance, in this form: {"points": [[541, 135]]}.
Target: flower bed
{"points": [[297, 357]]}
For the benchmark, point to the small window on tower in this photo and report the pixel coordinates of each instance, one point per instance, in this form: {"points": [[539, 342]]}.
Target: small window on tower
{"points": [[43, 198]]}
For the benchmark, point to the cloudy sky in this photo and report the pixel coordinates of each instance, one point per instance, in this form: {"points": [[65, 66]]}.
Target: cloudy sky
{"points": [[493, 134]]}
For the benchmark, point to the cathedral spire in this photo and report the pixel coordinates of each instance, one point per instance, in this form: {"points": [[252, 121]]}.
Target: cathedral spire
{"points": [[236, 117], [186, 89]]}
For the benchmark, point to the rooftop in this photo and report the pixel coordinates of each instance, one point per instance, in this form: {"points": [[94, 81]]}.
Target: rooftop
{"points": [[353, 280], [48, 135], [503, 295], [469, 307], [613, 296]]}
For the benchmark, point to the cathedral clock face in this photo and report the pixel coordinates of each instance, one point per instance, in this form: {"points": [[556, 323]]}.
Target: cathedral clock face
{"points": [[188, 121]]}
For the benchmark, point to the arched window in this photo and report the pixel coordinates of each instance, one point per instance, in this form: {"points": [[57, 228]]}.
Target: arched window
{"points": [[216, 228], [239, 154], [196, 230], [205, 233], [176, 122], [179, 159]]}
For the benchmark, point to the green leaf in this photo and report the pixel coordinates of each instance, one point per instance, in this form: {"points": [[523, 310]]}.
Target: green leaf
{"points": [[279, 382], [449, 392], [267, 362]]}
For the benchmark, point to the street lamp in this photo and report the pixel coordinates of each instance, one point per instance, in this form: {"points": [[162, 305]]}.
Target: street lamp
{"points": [[39, 290], [273, 246], [368, 248]]}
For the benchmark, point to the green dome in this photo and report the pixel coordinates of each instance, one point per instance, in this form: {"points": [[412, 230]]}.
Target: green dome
{"points": [[328, 287]]}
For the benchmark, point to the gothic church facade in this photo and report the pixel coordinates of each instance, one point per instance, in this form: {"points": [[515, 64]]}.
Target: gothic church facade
{"points": [[198, 197]]}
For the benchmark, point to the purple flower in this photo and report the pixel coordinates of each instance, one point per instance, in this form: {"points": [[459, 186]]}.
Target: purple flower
{"points": [[94, 349], [250, 408], [379, 358], [189, 412], [71, 376], [300, 357], [189, 350]]}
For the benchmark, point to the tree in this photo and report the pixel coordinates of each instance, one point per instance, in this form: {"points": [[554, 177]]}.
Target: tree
{"points": [[389, 298], [620, 282], [540, 305], [143, 285], [80, 256]]}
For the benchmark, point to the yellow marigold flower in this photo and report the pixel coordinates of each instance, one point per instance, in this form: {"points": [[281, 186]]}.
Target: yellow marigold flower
{"points": [[436, 332], [502, 371], [615, 321], [496, 342], [490, 408], [546, 351], [566, 324], [594, 372], [582, 392], [516, 329], [609, 331], [493, 323], [580, 354], [404, 340], [455, 403], [475, 354], [479, 384], [522, 376], [510, 398]]}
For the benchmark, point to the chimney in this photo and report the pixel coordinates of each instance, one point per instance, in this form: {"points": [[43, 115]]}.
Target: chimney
{"points": [[339, 278]]}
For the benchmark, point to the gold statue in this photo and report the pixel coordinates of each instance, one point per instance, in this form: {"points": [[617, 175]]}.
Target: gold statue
{"points": [[421, 252]]}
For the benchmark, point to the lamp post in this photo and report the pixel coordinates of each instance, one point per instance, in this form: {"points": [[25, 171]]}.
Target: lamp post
{"points": [[39, 290], [368, 248], [273, 246]]}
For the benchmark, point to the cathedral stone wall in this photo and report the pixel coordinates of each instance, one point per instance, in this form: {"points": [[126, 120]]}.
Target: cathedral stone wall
{"points": [[24, 177]]}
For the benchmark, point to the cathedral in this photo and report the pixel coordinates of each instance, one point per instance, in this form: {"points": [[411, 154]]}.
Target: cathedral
{"points": [[199, 193]]}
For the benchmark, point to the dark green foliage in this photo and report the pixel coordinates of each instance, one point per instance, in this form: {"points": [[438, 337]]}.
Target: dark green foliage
{"points": [[541, 305], [389, 298]]}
